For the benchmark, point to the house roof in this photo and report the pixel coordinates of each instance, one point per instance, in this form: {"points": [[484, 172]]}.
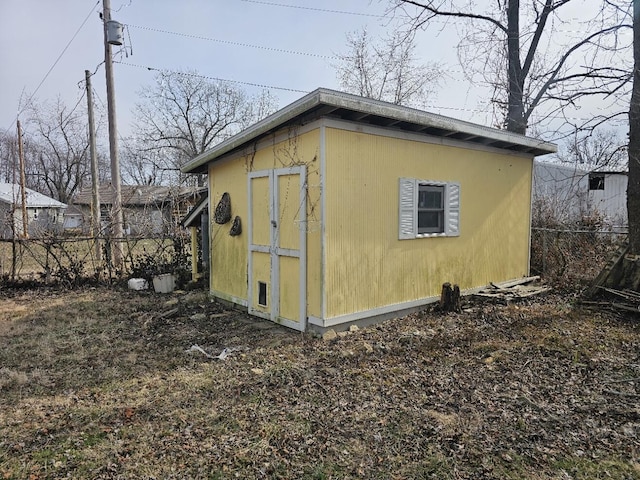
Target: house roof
{"points": [[73, 211], [10, 193], [137, 194], [332, 104]]}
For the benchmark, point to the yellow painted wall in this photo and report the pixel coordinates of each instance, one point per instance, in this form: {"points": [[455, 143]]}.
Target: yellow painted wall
{"points": [[368, 267], [229, 259]]}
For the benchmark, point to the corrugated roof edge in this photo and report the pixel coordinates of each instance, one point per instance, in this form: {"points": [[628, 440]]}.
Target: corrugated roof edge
{"points": [[356, 103]]}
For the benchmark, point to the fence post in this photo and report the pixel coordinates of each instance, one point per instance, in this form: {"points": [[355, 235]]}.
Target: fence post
{"points": [[14, 256], [544, 252]]}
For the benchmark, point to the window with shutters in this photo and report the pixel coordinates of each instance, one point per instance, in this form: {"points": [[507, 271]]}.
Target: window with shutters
{"points": [[428, 209]]}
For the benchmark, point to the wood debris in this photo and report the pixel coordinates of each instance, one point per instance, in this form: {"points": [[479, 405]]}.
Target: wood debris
{"points": [[513, 290], [612, 264], [626, 300]]}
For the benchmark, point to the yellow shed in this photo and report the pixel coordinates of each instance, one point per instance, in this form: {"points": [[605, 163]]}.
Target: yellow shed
{"points": [[343, 209]]}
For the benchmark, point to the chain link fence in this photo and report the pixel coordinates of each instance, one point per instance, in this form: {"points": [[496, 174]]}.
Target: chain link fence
{"points": [[571, 257]]}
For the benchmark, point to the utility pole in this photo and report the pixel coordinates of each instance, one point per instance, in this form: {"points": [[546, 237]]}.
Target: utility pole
{"points": [[23, 184], [117, 217], [95, 193]]}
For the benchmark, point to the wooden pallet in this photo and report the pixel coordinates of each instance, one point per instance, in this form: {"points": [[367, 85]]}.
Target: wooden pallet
{"points": [[613, 262]]}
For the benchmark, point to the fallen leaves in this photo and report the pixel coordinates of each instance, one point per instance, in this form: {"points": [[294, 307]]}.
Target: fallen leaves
{"points": [[537, 390]]}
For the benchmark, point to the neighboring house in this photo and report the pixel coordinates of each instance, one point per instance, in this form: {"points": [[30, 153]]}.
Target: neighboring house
{"points": [[568, 193], [73, 219], [560, 191], [147, 210], [354, 209], [44, 214]]}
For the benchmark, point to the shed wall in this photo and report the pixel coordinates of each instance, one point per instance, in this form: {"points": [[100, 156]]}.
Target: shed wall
{"points": [[367, 267], [229, 255]]}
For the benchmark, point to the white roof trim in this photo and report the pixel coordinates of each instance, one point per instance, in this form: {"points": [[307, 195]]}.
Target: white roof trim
{"points": [[395, 116]]}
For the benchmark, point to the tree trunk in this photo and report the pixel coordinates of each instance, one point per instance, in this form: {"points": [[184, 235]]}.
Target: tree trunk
{"points": [[633, 188], [515, 109], [626, 273], [450, 298]]}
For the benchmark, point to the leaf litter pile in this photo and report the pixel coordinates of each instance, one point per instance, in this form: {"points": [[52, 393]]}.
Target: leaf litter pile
{"points": [[117, 384]]}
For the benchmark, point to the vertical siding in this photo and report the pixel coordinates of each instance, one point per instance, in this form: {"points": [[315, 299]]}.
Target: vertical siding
{"points": [[229, 259], [612, 201], [368, 267]]}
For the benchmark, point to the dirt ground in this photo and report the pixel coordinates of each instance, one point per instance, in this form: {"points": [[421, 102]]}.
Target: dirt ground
{"points": [[101, 383]]}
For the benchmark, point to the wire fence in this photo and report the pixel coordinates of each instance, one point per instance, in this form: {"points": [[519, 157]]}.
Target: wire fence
{"points": [[562, 256], [573, 256], [70, 261]]}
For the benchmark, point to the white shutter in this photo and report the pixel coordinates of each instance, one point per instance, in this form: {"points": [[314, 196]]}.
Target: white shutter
{"points": [[453, 210], [408, 211]]}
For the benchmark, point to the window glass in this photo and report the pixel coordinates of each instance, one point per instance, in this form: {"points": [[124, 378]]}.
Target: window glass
{"points": [[430, 198], [431, 209], [596, 182]]}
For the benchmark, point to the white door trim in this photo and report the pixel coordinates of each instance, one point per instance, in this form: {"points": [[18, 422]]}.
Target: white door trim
{"points": [[275, 251]]}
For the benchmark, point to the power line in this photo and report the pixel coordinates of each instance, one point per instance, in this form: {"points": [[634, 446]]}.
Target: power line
{"points": [[260, 85], [82, 96], [237, 44], [427, 106], [60, 56], [315, 9], [54, 64]]}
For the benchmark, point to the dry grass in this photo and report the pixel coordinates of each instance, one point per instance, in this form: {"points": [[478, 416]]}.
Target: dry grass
{"points": [[74, 256], [97, 384]]}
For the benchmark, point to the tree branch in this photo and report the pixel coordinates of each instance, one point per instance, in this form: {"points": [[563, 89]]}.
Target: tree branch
{"points": [[437, 12]]}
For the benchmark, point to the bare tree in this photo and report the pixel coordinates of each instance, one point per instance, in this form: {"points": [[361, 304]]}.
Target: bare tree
{"points": [[58, 165], [598, 150], [386, 69], [143, 166], [530, 54], [8, 156], [183, 114]]}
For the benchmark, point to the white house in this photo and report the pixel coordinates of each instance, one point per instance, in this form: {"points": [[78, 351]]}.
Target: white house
{"points": [[561, 190], [571, 193], [44, 214]]}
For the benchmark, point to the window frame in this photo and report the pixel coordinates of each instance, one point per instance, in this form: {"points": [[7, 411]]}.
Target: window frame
{"points": [[596, 181], [441, 210], [409, 189]]}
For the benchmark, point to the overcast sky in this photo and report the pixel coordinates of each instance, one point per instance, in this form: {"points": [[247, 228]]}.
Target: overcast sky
{"points": [[163, 34]]}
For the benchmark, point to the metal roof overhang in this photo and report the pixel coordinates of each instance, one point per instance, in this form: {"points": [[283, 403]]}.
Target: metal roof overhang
{"points": [[192, 218], [331, 104]]}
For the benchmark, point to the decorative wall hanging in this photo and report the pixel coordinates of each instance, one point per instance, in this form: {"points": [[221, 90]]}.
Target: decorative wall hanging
{"points": [[223, 210], [236, 228]]}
